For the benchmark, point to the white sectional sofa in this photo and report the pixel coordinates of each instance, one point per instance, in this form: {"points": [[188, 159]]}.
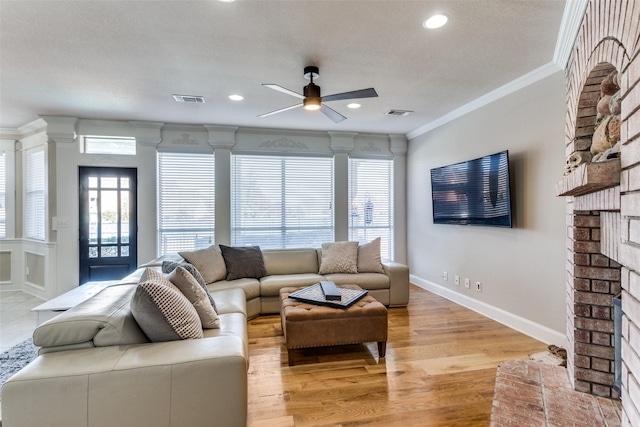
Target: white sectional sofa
{"points": [[97, 368]]}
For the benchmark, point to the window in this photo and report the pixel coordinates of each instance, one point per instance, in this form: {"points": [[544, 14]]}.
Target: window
{"points": [[3, 194], [109, 145], [282, 201], [371, 201], [34, 209], [186, 197]]}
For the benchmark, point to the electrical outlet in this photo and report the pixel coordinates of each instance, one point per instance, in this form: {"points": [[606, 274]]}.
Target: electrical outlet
{"points": [[467, 282], [478, 286], [457, 280], [445, 276]]}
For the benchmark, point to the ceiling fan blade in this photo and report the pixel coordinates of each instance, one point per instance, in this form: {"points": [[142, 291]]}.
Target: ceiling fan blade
{"points": [[354, 94], [332, 114], [280, 110], [283, 90]]}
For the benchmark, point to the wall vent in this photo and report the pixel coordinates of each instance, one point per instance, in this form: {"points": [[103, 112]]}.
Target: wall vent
{"points": [[189, 98], [398, 112]]}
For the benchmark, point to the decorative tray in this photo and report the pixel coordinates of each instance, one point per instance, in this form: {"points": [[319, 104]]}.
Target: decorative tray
{"points": [[314, 295]]}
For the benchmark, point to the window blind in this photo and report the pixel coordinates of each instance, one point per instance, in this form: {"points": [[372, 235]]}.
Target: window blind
{"points": [[282, 201], [186, 201], [34, 215], [371, 202], [3, 194]]}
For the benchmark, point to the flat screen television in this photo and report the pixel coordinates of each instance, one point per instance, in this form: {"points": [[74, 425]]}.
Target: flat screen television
{"points": [[475, 192]]}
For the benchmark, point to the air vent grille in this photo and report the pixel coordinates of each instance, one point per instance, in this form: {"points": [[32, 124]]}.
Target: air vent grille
{"points": [[189, 98], [398, 112]]}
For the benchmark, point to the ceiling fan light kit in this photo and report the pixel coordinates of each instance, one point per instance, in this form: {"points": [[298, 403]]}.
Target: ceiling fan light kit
{"points": [[312, 99]]}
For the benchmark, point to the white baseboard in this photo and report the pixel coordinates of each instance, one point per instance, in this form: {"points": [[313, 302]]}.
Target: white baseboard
{"points": [[513, 321]]}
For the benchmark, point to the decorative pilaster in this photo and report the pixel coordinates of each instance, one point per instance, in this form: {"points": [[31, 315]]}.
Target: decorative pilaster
{"points": [[342, 143]]}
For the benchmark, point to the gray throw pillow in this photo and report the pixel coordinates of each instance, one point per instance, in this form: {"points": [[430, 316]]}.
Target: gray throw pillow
{"points": [[209, 263], [369, 260], [197, 296], [339, 257], [169, 266], [243, 262], [164, 313]]}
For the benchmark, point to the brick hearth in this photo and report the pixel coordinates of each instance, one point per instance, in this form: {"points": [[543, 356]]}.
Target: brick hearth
{"points": [[530, 393]]}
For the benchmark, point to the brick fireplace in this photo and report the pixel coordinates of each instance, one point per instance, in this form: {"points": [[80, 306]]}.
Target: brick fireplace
{"points": [[603, 205]]}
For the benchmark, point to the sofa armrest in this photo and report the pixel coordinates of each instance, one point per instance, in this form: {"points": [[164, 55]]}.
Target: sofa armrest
{"points": [[398, 282], [177, 383]]}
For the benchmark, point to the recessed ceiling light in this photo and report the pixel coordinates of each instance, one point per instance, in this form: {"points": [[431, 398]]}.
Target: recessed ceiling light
{"points": [[236, 97], [226, 1], [354, 105], [436, 21]]}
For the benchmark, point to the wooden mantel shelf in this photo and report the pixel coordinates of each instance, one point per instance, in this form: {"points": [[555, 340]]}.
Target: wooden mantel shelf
{"points": [[589, 178]]}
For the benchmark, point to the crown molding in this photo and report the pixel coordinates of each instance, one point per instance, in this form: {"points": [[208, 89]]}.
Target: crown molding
{"points": [[31, 128], [571, 20], [513, 86]]}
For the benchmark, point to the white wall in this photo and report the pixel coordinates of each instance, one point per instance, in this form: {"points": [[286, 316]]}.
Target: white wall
{"points": [[522, 270]]}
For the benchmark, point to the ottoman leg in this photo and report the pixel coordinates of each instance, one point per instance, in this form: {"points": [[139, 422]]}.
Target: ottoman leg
{"points": [[382, 348], [290, 356]]}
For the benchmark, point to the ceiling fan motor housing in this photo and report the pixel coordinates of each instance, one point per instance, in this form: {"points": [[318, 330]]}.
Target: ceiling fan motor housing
{"points": [[311, 91]]}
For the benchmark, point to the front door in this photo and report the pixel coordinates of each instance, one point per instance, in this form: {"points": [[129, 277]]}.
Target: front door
{"points": [[108, 223]]}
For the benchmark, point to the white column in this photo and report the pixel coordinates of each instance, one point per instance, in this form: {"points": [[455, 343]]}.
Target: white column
{"points": [[399, 149], [342, 144], [222, 139]]}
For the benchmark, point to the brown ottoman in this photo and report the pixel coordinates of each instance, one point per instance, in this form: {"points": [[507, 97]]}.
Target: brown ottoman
{"points": [[311, 325]]}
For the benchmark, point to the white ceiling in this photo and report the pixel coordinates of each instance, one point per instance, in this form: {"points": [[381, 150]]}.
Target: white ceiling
{"points": [[123, 60]]}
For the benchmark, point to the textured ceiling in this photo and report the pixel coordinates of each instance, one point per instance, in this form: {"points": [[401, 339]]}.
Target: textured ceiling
{"points": [[124, 59]]}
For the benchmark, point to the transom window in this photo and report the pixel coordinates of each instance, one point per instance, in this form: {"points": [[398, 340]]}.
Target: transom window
{"points": [[109, 145], [282, 201]]}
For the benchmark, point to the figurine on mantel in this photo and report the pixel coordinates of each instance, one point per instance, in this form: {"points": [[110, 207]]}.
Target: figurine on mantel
{"points": [[605, 142]]}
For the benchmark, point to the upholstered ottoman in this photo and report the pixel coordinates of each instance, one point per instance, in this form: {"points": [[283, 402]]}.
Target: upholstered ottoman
{"points": [[310, 325]]}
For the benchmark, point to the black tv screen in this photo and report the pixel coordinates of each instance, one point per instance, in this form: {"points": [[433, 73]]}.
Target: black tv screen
{"points": [[475, 192]]}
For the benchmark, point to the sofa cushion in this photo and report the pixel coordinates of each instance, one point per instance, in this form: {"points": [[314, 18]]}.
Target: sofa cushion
{"points": [[290, 261], [243, 262], [164, 313], [103, 320], [231, 301], [339, 257], [270, 285], [196, 295], [169, 266], [368, 281], [251, 287], [369, 260], [209, 263]]}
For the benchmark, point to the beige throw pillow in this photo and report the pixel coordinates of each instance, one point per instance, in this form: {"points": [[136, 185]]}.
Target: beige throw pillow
{"points": [[163, 313], [190, 288], [339, 257], [369, 260], [209, 263]]}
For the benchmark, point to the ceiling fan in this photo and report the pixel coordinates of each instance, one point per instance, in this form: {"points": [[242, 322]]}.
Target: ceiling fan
{"points": [[311, 99]]}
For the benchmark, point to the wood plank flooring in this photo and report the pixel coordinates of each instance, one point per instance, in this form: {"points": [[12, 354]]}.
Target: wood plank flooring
{"points": [[439, 370]]}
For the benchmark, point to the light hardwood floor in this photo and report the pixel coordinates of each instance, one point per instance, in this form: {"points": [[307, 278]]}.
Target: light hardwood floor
{"points": [[439, 370]]}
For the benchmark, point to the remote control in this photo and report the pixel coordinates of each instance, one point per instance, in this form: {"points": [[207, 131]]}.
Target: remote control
{"points": [[331, 291]]}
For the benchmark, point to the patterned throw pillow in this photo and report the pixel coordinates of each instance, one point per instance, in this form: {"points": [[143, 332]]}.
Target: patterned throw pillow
{"points": [[369, 260], [197, 296], [169, 266], [243, 261], [163, 312], [339, 257], [209, 263]]}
